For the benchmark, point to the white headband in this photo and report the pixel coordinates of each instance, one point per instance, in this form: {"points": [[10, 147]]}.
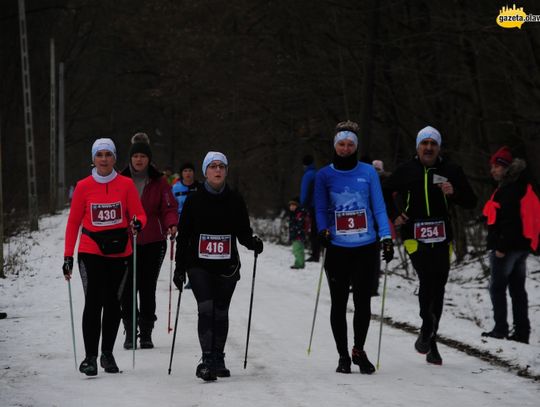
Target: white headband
{"points": [[346, 135]]}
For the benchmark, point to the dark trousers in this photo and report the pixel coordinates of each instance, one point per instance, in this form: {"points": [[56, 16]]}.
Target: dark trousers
{"points": [[213, 293], [149, 260], [102, 279], [314, 237], [432, 264], [509, 272], [346, 267]]}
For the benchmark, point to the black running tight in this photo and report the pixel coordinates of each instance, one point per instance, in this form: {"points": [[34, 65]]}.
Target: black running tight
{"points": [[346, 268], [102, 279]]}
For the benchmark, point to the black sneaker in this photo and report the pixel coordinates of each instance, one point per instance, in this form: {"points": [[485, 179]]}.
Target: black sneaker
{"points": [[128, 330], [519, 338], [89, 366], [108, 363], [207, 369], [188, 285], [344, 364], [3, 315], [433, 356], [423, 343], [360, 358], [145, 339], [312, 260], [296, 267], [221, 369], [494, 334]]}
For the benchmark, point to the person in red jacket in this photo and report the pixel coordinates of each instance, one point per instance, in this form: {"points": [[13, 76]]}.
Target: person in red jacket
{"points": [[162, 211], [106, 205], [508, 248]]}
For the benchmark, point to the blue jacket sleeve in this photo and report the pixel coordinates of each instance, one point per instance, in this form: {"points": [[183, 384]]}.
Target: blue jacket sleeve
{"points": [[321, 201], [306, 189]]}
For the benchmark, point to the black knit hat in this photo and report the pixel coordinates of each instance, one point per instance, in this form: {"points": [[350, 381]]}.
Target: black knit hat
{"points": [[187, 165], [142, 148]]}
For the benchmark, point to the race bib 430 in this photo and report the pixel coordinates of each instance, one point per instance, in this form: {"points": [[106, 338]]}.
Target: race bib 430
{"points": [[105, 214], [214, 247]]}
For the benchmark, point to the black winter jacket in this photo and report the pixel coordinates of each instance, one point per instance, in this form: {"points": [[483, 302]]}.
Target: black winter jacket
{"points": [[410, 190], [206, 214], [507, 231]]}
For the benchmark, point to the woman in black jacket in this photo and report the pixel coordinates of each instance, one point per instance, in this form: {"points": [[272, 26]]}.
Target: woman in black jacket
{"points": [[212, 219]]}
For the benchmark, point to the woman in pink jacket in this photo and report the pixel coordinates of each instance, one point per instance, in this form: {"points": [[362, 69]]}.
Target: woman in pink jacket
{"points": [[162, 211], [106, 205]]}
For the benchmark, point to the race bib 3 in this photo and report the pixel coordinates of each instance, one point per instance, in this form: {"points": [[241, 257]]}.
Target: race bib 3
{"points": [[351, 222]]}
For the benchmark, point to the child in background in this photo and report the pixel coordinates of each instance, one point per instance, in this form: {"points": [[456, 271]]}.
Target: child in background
{"points": [[297, 232]]}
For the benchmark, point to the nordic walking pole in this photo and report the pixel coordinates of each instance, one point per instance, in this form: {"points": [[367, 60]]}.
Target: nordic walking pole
{"points": [[382, 314], [316, 302], [134, 313], [250, 307], [169, 329], [175, 329], [72, 324]]}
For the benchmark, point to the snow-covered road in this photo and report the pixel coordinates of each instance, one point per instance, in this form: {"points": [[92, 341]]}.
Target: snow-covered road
{"points": [[37, 366]]}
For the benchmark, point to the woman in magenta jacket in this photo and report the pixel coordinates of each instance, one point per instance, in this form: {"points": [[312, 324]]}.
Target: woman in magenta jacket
{"points": [[161, 209]]}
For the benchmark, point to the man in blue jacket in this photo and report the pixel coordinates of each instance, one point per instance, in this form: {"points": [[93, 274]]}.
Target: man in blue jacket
{"points": [[306, 201]]}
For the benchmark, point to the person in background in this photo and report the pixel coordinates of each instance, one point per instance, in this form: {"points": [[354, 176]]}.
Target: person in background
{"points": [[106, 204], [297, 232], [306, 201], [161, 209], [186, 185], [170, 176], [429, 185], [508, 246], [351, 215], [212, 220]]}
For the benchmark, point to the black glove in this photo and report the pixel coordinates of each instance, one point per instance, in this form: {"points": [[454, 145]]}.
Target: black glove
{"points": [[67, 267], [324, 238], [387, 249], [137, 225], [179, 278], [257, 244]]}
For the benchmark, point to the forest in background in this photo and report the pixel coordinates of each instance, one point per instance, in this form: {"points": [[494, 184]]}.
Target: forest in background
{"points": [[265, 82]]}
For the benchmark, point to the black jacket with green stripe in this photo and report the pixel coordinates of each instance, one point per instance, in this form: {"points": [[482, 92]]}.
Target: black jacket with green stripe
{"points": [[411, 190]]}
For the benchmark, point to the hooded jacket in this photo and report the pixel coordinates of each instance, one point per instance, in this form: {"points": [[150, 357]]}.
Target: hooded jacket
{"points": [[505, 227], [160, 207]]}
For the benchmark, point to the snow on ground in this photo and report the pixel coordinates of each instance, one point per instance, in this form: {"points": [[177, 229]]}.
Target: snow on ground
{"points": [[37, 364]]}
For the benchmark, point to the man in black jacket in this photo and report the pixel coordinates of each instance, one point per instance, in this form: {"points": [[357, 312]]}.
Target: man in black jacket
{"points": [[427, 185], [508, 247]]}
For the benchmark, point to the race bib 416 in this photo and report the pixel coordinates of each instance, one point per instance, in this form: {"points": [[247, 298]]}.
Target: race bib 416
{"points": [[214, 247]]}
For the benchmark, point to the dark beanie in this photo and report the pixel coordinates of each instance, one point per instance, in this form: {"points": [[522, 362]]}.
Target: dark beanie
{"points": [[307, 160], [187, 165], [502, 156], [142, 148]]}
